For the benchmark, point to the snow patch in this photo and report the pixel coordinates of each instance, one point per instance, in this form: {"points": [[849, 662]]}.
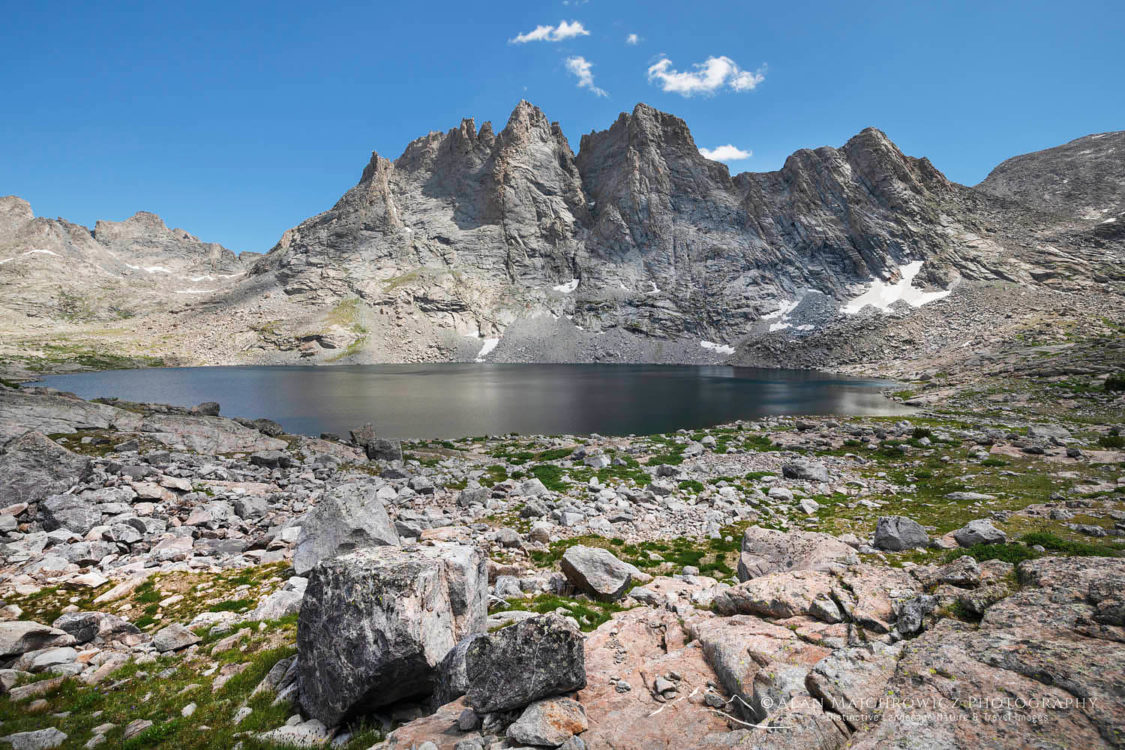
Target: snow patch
{"points": [[489, 345], [29, 252], [568, 287], [882, 295], [775, 327], [717, 348], [785, 309], [1110, 221], [151, 269]]}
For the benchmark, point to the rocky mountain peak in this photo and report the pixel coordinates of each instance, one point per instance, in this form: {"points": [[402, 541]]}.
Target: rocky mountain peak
{"points": [[1081, 179], [138, 226], [14, 212]]}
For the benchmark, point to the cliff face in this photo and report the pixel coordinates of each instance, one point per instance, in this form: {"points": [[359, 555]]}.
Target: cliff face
{"points": [[638, 233]]}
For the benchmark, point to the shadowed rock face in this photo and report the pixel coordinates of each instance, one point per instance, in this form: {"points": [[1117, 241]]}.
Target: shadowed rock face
{"points": [[376, 624]]}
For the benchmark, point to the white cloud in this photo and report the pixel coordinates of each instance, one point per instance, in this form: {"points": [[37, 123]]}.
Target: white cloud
{"points": [[726, 153], [707, 78], [565, 30], [582, 69], [632, 39]]}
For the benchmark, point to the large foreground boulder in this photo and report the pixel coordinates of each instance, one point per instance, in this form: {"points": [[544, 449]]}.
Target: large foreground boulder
{"points": [[766, 551], [533, 659], [598, 572], [348, 518], [375, 625], [33, 467]]}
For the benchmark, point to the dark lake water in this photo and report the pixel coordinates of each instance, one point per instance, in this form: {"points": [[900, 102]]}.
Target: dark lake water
{"points": [[460, 400]]}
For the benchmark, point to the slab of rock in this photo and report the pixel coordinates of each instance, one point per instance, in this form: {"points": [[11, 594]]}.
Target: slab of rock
{"points": [[852, 682], [748, 653], [173, 638], [898, 533], [549, 723], [33, 467], [20, 636], [979, 531], [376, 624], [767, 551], [623, 658], [533, 659], [209, 435], [51, 413], [347, 518], [40, 739], [782, 595], [598, 572], [70, 512]]}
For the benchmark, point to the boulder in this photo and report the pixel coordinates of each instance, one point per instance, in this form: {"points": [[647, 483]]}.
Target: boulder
{"points": [[473, 496], [249, 507], [782, 595], [173, 638], [532, 488], [598, 572], [375, 447], [40, 739], [285, 601], [99, 627], [376, 624], [537, 658], [805, 469], [347, 518], [83, 626], [767, 551], [549, 723], [1047, 432], [272, 459], [20, 636], [979, 531], [453, 679], [69, 512], [33, 467], [897, 533]]}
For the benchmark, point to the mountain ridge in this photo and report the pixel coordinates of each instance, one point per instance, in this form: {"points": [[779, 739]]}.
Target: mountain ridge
{"points": [[510, 246]]}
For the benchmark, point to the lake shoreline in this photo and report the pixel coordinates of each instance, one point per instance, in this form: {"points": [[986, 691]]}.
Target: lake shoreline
{"points": [[451, 400]]}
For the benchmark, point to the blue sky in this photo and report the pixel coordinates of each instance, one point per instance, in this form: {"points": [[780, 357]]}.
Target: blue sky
{"points": [[236, 120]]}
